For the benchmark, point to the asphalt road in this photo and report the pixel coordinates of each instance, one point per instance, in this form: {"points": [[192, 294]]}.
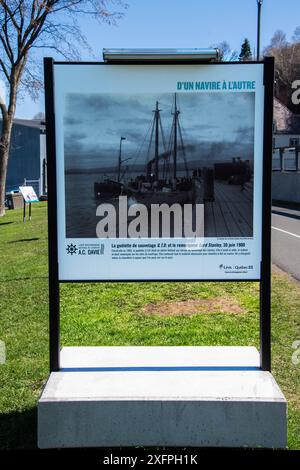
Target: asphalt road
{"points": [[286, 239]]}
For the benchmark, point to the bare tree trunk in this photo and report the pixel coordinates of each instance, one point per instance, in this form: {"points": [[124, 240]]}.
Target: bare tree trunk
{"points": [[4, 154], [5, 139]]}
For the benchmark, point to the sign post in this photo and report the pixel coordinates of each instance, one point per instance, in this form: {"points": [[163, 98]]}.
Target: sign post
{"points": [[29, 196], [191, 206]]}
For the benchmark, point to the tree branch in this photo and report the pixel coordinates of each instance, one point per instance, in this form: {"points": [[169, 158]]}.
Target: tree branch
{"points": [[10, 13], [9, 50], [3, 109], [4, 69]]}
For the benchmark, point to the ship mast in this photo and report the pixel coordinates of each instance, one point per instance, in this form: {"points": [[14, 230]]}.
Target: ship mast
{"points": [[176, 113], [156, 117], [156, 133]]}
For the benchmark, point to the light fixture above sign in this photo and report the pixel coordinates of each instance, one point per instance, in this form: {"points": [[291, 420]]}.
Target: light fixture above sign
{"points": [[184, 55]]}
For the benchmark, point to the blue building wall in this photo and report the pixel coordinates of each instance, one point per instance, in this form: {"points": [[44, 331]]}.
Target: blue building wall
{"points": [[24, 157]]}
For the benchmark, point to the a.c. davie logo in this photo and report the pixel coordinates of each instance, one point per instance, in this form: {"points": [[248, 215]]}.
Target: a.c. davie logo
{"points": [[71, 249], [82, 249]]}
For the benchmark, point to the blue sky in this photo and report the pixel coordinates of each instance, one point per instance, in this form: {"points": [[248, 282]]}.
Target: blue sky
{"points": [[189, 23]]}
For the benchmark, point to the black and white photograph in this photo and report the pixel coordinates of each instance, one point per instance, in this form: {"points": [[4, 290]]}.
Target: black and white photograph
{"points": [[188, 149]]}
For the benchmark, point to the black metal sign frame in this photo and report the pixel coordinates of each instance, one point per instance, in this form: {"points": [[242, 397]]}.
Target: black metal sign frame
{"points": [[265, 272]]}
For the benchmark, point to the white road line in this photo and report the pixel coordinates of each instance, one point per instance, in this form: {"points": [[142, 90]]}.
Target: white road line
{"points": [[284, 231]]}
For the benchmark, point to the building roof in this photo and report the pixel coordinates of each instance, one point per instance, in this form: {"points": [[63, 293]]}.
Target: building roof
{"points": [[36, 123], [285, 121]]}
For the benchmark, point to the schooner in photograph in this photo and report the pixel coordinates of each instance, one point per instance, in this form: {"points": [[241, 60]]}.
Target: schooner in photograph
{"points": [[167, 149]]}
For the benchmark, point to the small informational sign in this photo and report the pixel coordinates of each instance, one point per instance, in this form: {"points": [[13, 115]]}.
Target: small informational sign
{"points": [[159, 171], [28, 194]]}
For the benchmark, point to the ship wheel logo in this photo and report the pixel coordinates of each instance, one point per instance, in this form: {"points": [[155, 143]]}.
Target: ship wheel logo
{"points": [[71, 249]]}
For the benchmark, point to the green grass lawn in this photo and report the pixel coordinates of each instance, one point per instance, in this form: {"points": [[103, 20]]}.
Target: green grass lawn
{"points": [[112, 314]]}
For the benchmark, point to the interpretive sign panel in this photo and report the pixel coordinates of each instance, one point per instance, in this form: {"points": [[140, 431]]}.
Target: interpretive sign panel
{"points": [[159, 171], [28, 194]]}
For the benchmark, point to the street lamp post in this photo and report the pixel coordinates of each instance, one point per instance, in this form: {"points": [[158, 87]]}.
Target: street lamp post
{"points": [[259, 5], [120, 158]]}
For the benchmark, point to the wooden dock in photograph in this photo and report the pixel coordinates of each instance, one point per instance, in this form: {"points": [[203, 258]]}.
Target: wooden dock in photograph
{"points": [[231, 213]]}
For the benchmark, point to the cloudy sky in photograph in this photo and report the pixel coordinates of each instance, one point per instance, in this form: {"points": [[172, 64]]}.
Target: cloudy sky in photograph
{"points": [[214, 126]]}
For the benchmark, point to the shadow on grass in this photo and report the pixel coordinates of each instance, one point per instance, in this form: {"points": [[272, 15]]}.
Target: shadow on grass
{"points": [[18, 430], [24, 240], [27, 278], [6, 223]]}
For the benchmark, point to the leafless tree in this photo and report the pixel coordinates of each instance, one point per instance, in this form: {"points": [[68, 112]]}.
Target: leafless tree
{"points": [[296, 35], [287, 63], [26, 26], [278, 40], [226, 53]]}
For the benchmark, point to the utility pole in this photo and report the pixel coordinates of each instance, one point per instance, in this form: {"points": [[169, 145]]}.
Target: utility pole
{"points": [[259, 5]]}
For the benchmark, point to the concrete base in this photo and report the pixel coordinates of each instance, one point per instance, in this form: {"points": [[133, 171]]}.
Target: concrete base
{"points": [[161, 396]]}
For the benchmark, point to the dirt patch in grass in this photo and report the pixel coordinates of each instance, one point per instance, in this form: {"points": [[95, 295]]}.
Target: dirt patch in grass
{"points": [[193, 307]]}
